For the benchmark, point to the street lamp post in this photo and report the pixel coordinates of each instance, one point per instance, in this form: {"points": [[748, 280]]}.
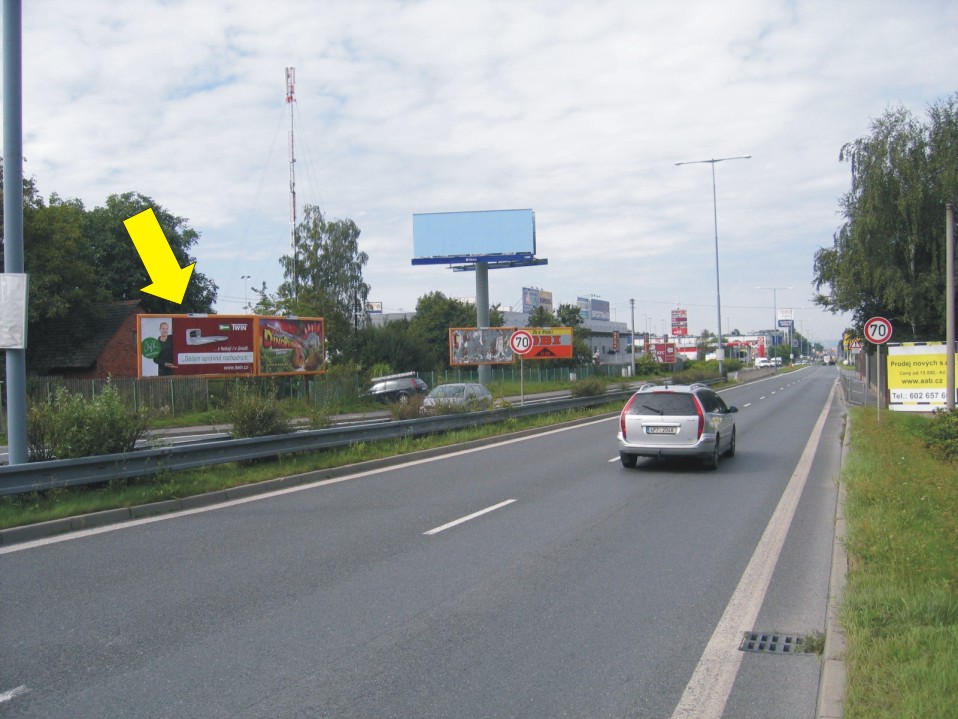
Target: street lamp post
{"points": [[719, 350], [245, 279]]}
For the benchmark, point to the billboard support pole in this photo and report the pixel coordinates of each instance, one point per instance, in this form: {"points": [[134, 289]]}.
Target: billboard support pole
{"points": [[482, 313]]}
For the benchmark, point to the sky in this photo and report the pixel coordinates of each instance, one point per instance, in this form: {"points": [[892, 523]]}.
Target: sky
{"points": [[576, 110]]}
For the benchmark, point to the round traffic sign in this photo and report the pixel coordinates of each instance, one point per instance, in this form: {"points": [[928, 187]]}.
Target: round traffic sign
{"points": [[878, 330], [521, 342]]}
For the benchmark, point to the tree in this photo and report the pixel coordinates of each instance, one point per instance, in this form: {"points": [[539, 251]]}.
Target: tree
{"points": [[541, 317], [435, 315], [324, 277], [119, 267], [888, 257], [395, 345]]}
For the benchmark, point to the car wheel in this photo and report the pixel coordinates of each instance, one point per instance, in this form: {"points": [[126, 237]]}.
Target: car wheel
{"points": [[730, 452], [628, 460], [402, 397], [712, 461]]}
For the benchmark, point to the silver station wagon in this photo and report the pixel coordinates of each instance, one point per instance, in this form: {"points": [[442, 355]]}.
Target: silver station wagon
{"points": [[676, 421]]}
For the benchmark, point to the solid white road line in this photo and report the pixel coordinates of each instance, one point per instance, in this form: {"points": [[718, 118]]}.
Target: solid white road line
{"points": [[711, 683], [456, 522], [13, 693]]}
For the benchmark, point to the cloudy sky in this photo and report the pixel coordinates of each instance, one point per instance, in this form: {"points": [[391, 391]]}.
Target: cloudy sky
{"points": [[576, 110]]}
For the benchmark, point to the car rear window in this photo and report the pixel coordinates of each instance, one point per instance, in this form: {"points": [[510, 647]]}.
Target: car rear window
{"points": [[663, 403]]}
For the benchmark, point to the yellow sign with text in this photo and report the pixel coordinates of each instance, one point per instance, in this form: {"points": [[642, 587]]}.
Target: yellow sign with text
{"points": [[917, 376]]}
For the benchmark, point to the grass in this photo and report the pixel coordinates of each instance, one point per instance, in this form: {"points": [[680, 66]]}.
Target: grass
{"points": [[900, 611], [19, 510]]}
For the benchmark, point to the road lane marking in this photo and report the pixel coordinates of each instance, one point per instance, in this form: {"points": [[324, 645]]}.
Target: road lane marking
{"points": [[461, 520], [13, 693], [708, 690]]}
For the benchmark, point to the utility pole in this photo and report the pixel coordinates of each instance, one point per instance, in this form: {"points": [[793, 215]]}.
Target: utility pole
{"points": [[290, 99], [632, 342]]}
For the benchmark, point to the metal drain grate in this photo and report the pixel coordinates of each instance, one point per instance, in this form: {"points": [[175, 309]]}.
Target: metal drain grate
{"points": [[772, 643]]}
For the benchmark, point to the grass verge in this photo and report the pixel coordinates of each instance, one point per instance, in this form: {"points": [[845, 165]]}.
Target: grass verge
{"points": [[36, 507], [900, 611]]}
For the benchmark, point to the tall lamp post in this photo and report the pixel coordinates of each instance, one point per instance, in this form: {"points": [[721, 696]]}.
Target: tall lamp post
{"points": [[245, 279], [719, 350], [775, 308]]}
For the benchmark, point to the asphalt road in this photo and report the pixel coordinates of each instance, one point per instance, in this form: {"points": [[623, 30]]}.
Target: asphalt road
{"points": [[532, 578]]}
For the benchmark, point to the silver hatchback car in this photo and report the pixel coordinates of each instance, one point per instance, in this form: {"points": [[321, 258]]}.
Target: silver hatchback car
{"points": [[676, 421]]}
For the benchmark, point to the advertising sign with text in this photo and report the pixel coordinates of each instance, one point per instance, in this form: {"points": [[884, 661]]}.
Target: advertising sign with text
{"points": [[190, 345], [917, 376]]}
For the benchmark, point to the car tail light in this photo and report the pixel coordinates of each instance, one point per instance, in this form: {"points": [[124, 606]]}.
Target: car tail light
{"points": [[701, 413], [625, 412]]}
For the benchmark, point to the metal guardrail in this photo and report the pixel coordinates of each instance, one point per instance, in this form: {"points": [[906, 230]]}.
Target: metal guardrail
{"points": [[855, 391], [40, 476]]}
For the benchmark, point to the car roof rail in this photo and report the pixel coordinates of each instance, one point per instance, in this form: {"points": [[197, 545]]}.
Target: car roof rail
{"points": [[401, 375]]}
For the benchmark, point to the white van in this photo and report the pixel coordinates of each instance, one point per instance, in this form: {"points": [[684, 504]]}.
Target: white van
{"points": [[762, 362]]}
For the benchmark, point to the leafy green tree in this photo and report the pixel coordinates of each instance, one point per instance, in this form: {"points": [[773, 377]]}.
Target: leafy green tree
{"points": [[888, 257], [435, 315], [394, 345], [119, 267], [541, 317], [324, 278]]}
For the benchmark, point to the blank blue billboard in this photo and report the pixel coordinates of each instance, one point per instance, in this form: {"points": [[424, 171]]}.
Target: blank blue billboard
{"points": [[482, 236]]}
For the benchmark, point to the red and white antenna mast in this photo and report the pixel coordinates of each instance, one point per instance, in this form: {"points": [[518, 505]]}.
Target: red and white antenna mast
{"points": [[290, 99]]}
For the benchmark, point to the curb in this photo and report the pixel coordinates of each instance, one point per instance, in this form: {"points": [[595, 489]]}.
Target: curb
{"points": [[831, 686]]}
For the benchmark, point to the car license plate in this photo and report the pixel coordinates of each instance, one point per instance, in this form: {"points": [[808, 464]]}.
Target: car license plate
{"points": [[661, 430]]}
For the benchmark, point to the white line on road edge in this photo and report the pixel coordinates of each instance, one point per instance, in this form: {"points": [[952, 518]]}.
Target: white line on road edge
{"points": [[13, 693], [453, 523], [711, 683]]}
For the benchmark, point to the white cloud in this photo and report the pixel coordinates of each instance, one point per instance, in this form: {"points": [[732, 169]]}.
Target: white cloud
{"points": [[579, 110]]}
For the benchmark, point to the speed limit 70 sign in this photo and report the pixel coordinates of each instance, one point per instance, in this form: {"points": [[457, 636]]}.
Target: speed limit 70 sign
{"points": [[521, 342], [878, 330]]}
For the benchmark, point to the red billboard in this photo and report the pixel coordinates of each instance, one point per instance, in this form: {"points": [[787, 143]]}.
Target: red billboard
{"points": [[187, 345], [229, 345], [664, 352]]}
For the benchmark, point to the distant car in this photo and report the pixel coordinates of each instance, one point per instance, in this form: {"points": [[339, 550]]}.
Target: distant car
{"points": [[457, 396], [676, 421], [763, 362], [396, 387]]}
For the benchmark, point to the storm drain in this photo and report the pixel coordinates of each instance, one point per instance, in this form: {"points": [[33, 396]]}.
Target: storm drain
{"points": [[772, 643]]}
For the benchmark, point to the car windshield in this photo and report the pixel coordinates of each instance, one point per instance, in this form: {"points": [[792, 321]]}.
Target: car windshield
{"points": [[663, 403]]}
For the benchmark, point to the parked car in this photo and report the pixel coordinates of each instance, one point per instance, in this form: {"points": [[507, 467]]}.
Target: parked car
{"points": [[396, 387], [676, 421], [457, 396]]}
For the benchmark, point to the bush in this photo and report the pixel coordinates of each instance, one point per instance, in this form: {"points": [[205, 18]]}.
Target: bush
{"points": [[941, 434], [591, 387], [255, 415], [72, 426]]}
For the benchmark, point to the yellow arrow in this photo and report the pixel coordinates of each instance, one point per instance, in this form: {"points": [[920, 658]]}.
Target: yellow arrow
{"points": [[169, 279]]}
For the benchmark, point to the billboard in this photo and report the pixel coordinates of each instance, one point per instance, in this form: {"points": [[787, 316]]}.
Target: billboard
{"points": [[663, 352], [917, 376], [228, 345], [549, 343], [189, 345], [680, 322], [290, 345], [533, 297], [481, 236], [591, 308], [480, 345]]}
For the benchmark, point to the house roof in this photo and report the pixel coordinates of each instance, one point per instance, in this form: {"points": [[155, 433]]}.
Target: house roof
{"points": [[69, 344]]}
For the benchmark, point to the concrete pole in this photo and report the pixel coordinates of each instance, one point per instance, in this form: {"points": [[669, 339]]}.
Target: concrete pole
{"points": [[950, 303], [482, 313], [13, 217]]}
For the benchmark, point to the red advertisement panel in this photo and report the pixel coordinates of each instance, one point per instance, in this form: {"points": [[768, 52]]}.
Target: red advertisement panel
{"points": [[290, 346], [664, 352], [190, 345]]}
